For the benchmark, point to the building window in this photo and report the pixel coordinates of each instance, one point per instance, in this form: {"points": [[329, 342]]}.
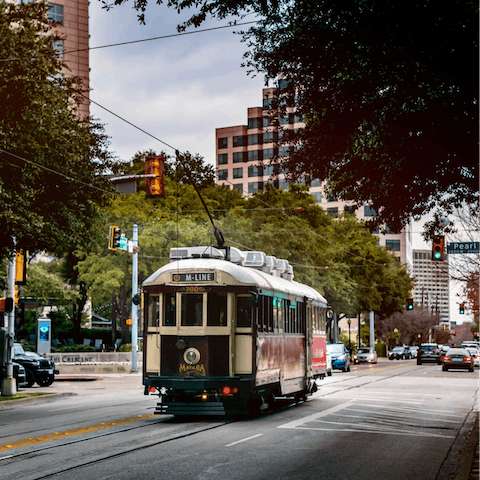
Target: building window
{"points": [[393, 245], [255, 171], [239, 157], [349, 209], [55, 13], [369, 211], [255, 122], [222, 158], [332, 211], [222, 174], [223, 142], [238, 173], [284, 151], [58, 46], [267, 103], [255, 139], [239, 187], [239, 141], [270, 137], [267, 153], [317, 195], [332, 198], [255, 155], [254, 187]]}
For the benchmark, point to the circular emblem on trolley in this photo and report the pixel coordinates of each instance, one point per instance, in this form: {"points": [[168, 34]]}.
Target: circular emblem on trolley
{"points": [[330, 314], [176, 278], [191, 356]]}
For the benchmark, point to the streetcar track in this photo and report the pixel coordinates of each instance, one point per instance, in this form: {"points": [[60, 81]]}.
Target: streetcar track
{"points": [[116, 455]]}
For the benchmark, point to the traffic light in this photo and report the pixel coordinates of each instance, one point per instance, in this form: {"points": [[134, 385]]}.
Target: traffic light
{"points": [[115, 234], [154, 176], [438, 247], [462, 308], [475, 335], [409, 303], [21, 267]]}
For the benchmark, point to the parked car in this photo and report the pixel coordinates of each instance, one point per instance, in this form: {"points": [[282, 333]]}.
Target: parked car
{"points": [[400, 353], [38, 368], [340, 356], [367, 354], [457, 358], [429, 352], [476, 356], [414, 350], [329, 364]]}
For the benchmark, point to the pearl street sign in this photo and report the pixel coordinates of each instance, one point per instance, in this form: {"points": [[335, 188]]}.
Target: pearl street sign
{"points": [[463, 247]]}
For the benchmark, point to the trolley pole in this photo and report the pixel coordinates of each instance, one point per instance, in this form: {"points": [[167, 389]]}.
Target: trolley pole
{"points": [[134, 307]]}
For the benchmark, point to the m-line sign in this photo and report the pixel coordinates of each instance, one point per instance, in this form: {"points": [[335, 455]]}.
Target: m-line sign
{"points": [[463, 247]]}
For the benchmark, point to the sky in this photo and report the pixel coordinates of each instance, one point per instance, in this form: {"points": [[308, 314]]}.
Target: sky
{"points": [[178, 89]]}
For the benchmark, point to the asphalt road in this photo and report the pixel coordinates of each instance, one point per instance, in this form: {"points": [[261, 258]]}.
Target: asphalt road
{"points": [[394, 420]]}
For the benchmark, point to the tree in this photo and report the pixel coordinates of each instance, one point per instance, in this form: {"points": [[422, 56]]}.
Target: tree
{"points": [[389, 104], [52, 161]]}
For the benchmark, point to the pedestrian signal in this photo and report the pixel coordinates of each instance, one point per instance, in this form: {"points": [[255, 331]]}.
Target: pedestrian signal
{"points": [[462, 309]]}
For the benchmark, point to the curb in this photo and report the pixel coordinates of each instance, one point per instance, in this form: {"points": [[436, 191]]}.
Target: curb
{"points": [[70, 378], [15, 402]]}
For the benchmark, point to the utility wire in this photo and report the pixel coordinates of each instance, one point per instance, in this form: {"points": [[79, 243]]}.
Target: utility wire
{"points": [[131, 42]]}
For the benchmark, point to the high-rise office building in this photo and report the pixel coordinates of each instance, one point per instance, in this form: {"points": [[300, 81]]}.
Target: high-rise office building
{"points": [[243, 153], [71, 19], [432, 285]]}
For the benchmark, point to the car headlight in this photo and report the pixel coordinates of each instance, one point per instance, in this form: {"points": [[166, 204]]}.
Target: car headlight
{"points": [[341, 357]]}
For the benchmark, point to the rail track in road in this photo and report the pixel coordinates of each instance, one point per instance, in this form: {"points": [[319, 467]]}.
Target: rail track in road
{"points": [[149, 426]]}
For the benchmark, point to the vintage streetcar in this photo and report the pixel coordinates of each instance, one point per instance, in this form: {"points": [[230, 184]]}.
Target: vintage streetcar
{"points": [[230, 332]]}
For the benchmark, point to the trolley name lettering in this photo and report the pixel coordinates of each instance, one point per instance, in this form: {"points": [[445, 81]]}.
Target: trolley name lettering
{"points": [[194, 277], [195, 369]]}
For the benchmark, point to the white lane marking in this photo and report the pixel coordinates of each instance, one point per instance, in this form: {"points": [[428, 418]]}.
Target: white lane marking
{"points": [[392, 410], [383, 432], [244, 440], [383, 418], [315, 416]]}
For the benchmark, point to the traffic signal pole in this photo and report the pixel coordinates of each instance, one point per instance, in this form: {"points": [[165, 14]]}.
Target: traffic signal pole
{"points": [[9, 385], [134, 307]]}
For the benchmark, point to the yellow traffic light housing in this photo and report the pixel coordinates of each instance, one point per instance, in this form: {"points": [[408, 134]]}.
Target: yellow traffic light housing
{"points": [[114, 238], [154, 176], [438, 248]]}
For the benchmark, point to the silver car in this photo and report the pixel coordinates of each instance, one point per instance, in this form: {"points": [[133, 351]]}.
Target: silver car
{"points": [[476, 356], [367, 355]]}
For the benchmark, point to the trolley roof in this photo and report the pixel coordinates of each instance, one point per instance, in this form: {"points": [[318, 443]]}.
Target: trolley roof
{"points": [[245, 275]]}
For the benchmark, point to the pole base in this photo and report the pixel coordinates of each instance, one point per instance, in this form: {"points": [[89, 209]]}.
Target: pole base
{"points": [[9, 386]]}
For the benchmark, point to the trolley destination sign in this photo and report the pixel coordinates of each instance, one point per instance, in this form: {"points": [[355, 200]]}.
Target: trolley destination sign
{"points": [[463, 247], [194, 277]]}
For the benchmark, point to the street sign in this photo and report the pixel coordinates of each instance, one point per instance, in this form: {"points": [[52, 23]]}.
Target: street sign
{"points": [[463, 247], [123, 243]]}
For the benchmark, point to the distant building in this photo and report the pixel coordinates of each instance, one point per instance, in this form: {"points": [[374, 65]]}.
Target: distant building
{"points": [[71, 17], [243, 153], [432, 285]]}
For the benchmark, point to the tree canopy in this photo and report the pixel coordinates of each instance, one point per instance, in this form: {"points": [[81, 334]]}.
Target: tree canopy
{"points": [[52, 161], [388, 92]]}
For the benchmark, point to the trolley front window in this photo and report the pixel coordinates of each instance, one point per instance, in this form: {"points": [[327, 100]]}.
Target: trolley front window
{"points": [[169, 310], [192, 310], [244, 311], [217, 309]]}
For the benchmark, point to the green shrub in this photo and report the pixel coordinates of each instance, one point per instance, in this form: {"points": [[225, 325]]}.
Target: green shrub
{"points": [[381, 349], [126, 347]]}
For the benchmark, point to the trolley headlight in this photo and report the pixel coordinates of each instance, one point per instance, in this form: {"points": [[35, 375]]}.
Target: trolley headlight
{"points": [[191, 356]]}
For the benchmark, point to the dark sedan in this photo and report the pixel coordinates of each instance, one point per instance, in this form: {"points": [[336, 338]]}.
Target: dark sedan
{"points": [[457, 358]]}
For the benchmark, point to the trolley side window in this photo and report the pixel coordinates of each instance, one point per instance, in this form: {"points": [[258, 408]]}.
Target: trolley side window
{"points": [[217, 309], [169, 310], [192, 310], [153, 310], [244, 312]]}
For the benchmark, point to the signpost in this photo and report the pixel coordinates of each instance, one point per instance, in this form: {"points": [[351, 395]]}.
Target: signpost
{"points": [[463, 247]]}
